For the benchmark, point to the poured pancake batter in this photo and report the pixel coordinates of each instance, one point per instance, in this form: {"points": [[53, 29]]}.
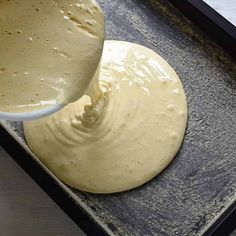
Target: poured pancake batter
{"points": [[50, 51], [128, 135]]}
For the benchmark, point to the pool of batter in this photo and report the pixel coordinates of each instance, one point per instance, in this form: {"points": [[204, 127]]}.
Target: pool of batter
{"points": [[123, 132]]}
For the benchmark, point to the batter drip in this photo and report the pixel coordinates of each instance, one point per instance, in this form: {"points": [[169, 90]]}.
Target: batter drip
{"points": [[127, 135]]}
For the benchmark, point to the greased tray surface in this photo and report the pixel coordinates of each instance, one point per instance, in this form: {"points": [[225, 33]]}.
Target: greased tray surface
{"points": [[200, 184]]}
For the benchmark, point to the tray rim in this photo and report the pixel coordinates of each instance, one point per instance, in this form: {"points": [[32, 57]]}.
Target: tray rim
{"points": [[222, 32], [76, 209], [212, 23]]}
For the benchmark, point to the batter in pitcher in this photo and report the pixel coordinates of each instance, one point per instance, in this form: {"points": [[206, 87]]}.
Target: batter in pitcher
{"points": [[49, 51]]}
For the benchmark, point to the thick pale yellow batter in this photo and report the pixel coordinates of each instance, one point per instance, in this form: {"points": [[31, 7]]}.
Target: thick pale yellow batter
{"points": [[131, 132], [50, 51]]}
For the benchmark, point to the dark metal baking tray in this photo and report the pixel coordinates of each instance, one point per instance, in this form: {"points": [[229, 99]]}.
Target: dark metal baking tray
{"points": [[198, 189]]}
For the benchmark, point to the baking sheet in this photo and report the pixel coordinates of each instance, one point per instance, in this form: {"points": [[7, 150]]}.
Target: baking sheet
{"points": [[200, 184]]}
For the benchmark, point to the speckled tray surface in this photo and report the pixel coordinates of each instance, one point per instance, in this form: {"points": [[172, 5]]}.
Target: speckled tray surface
{"points": [[200, 184]]}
